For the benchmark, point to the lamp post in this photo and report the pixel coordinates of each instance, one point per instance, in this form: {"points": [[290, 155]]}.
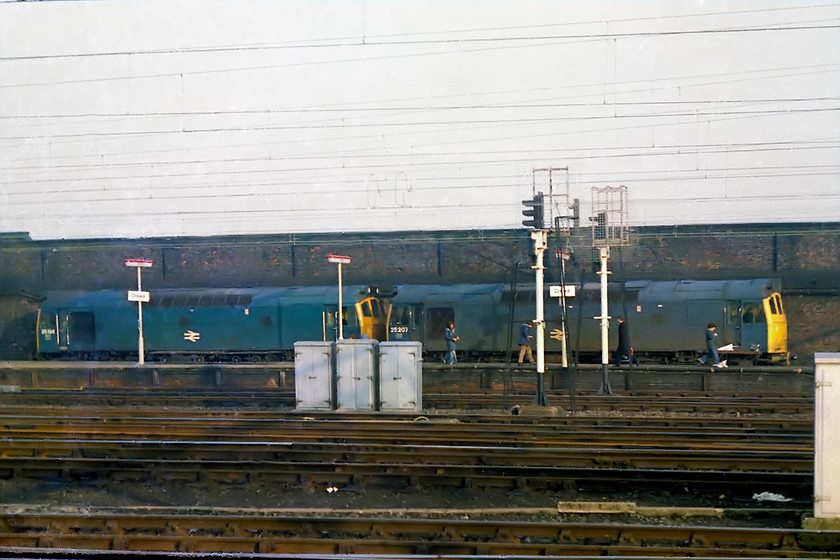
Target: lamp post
{"points": [[139, 296], [339, 260]]}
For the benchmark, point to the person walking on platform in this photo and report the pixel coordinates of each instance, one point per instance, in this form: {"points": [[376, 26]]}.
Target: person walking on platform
{"points": [[451, 338], [624, 350], [525, 342], [711, 348]]}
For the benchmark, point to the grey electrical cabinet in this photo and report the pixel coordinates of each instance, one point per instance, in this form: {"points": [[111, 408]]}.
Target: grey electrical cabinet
{"points": [[314, 388], [401, 376], [356, 374]]}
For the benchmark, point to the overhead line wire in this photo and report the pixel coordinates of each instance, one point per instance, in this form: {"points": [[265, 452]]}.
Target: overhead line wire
{"points": [[483, 106], [639, 151], [460, 40], [511, 121]]}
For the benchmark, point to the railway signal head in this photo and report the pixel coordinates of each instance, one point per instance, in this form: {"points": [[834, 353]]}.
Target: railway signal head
{"points": [[534, 211]]}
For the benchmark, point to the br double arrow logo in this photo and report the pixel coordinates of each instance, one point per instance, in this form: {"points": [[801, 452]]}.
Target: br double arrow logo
{"points": [[192, 336]]}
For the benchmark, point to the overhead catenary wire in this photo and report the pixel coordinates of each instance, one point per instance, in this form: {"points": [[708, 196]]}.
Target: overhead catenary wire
{"points": [[450, 144]]}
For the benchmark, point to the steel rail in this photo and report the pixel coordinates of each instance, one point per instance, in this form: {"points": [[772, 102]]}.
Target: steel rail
{"points": [[759, 458], [141, 392], [355, 466], [69, 405], [388, 430], [240, 534], [462, 400]]}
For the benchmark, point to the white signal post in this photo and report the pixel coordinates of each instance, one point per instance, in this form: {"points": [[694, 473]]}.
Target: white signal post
{"points": [[339, 260], [605, 323], [139, 296], [540, 238]]}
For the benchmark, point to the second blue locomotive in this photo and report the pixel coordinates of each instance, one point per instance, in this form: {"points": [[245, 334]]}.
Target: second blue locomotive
{"points": [[667, 320]]}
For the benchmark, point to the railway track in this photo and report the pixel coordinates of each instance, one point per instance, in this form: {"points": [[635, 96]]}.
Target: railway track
{"points": [[454, 429], [412, 467], [691, 446], [698, 403], [347, 452], [392, 537]]}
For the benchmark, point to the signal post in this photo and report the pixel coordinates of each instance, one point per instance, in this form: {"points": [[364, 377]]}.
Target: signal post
{"points": [[535, 211], [540, 238]]}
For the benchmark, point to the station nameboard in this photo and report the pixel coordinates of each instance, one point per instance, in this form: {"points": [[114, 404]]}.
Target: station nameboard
{"points": [[136, 295], [142, 263], [557, 291]]}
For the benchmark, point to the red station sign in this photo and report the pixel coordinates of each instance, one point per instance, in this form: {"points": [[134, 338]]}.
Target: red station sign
{"points": [[338, 259], [142, 263]]}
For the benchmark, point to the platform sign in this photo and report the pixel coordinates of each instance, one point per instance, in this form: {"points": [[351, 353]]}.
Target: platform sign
{"points": [[557, 291], [141, 263], [138, 295], [339, 260]]}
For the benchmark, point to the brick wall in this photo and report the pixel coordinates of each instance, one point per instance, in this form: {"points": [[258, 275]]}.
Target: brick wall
{"points": [[805, 256]]}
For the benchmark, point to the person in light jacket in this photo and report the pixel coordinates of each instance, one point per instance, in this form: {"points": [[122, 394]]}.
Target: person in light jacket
{"points": [[525, 342]]}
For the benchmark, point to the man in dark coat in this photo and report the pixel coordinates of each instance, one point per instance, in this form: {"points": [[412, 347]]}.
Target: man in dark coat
{"points": [[624, 350], [451, 338]]}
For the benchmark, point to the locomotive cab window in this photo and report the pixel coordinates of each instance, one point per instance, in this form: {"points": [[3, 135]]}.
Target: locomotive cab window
{"points": [[400, 314], [523, 297], [366, 310], [350, 318], [775, 302], [376, 307], [752, 312], [437, 319], [81, 328]]}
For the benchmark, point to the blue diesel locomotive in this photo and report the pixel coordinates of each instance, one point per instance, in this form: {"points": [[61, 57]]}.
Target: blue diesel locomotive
{"points": [[242, 324], [667, 320]]}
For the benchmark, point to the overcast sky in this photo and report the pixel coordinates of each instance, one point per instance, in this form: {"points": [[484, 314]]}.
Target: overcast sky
{"points": [[162, 118]]}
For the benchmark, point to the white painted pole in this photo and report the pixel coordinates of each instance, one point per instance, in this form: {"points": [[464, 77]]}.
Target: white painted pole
{"points": [[605, 323], [139, 297], [141, 350], [540, 238], [340, 307], [540, 320], [339, 260], [564, 357]]}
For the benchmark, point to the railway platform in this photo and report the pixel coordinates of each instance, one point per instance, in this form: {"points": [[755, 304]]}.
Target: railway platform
{"points": [[436, 377]]}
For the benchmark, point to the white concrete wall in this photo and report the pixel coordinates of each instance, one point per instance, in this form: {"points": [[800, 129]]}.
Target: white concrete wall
{"points": [[827, 435]]}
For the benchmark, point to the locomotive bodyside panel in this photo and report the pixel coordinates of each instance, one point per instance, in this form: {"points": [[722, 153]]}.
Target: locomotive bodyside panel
{"points": [[216, 323], [667, 320], [211, 329]]}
